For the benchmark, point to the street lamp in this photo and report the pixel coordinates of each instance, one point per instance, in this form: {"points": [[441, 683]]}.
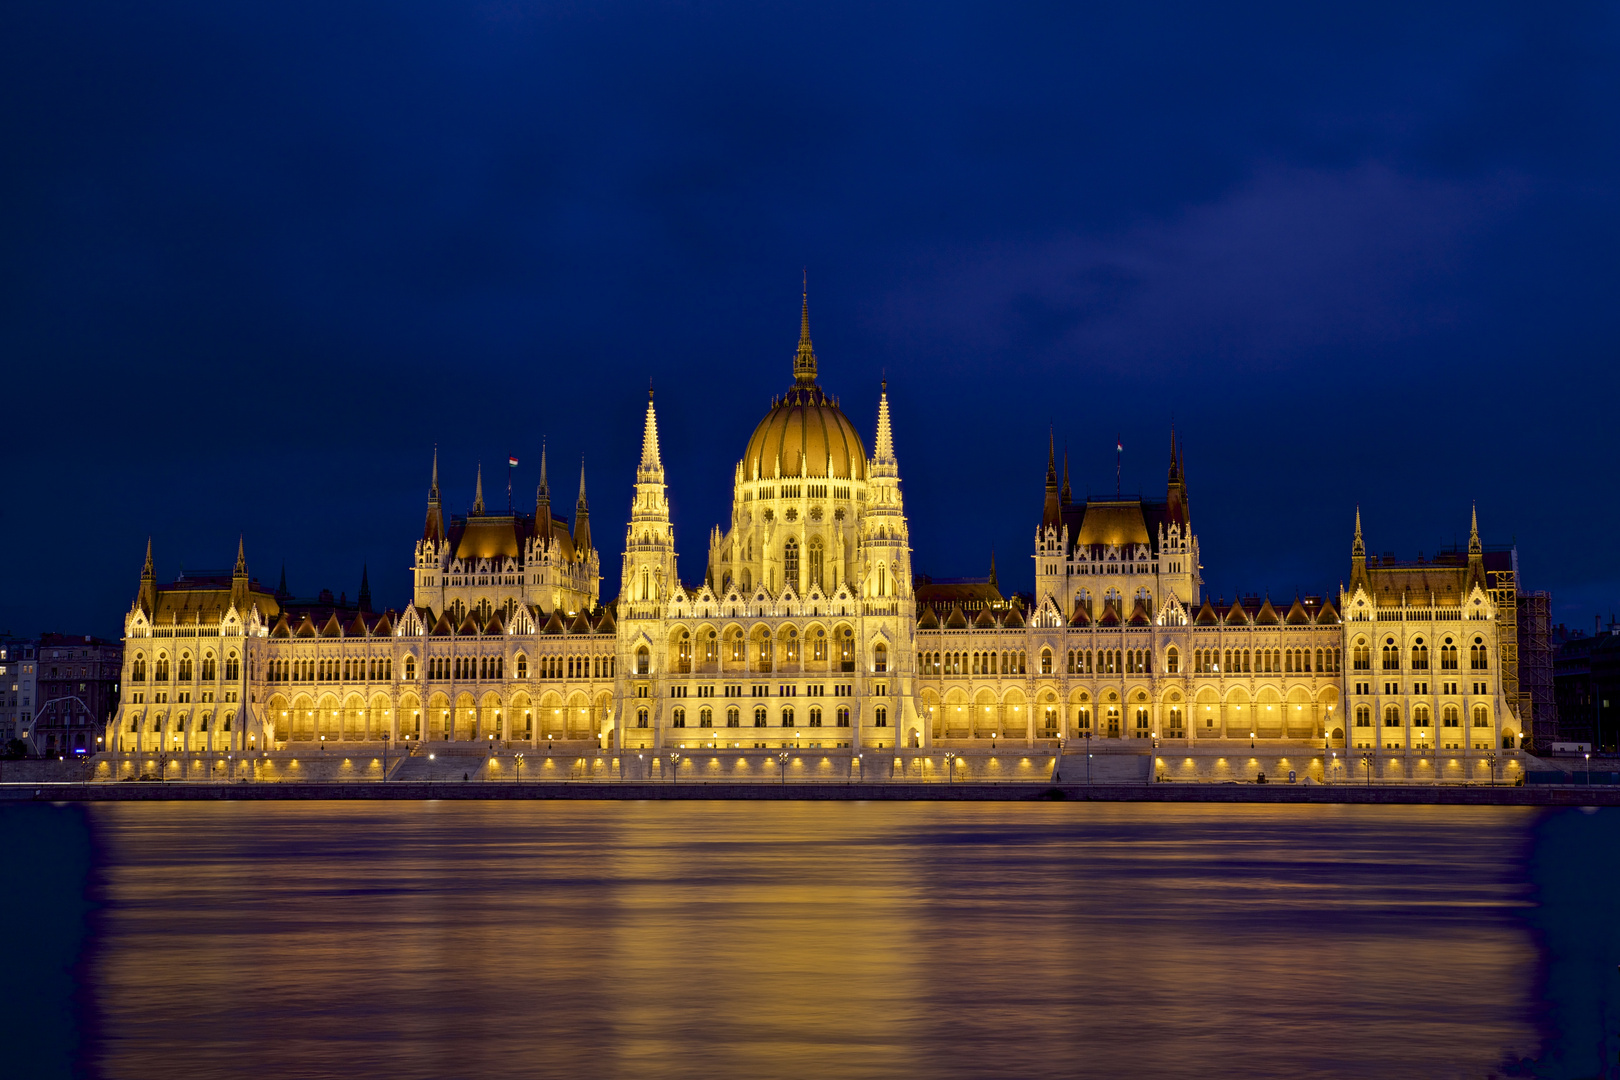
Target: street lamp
{"points": [[950, 768], [517, 761], [1367, 760], [783, 758], [674, 768], [1588, 768]]}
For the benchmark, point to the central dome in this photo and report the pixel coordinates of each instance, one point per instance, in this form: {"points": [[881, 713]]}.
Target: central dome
{"points": [[805, 430]]}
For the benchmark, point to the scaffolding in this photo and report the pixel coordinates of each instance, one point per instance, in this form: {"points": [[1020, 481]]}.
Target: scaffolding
{"points": [[1538, 706]]}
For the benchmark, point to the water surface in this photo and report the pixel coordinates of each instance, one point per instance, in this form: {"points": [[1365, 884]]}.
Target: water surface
{"points": [[792, 939]]}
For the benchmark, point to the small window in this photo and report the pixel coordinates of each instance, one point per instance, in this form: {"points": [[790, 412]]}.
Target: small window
{"points": [[880, 716], [733, 717], [759, 716], [680, 717], [641, 718]]}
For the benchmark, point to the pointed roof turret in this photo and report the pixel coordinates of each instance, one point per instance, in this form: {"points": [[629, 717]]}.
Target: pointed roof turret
{"points": [[281, 589], [582, 518], [241, 559], [433, 528], [1177, 486], [478, 492], [542, 501], [992, 566], [1065, 496], [804, 361], [1052, 514], [147, 597], [1358, 547], [1474, 546]]}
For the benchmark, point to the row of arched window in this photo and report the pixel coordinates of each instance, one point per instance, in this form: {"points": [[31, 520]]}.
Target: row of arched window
{"points": [[1110, 662], [705, 717], [1390, 655], [1010, 662], [203, 722], [233, 667], [1266, 661], [1450, 716]]}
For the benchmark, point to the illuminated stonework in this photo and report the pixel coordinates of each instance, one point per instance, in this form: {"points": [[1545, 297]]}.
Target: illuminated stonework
{"points": [[808, 630]]}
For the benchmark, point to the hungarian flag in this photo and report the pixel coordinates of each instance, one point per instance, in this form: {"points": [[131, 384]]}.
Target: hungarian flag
{"points": [[511, 461], [1119, 448]]}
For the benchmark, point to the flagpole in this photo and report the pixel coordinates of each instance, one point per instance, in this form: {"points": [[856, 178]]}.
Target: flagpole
{"points": [[1119, 457]]}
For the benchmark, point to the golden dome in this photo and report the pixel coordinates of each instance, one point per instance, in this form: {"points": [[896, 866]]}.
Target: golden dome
{"points": [[805, 430], [805, 427]]}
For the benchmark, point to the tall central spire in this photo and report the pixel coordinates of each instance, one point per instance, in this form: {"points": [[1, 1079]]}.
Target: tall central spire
{"points": [[652, 465], [804, 362], [478, 496]]}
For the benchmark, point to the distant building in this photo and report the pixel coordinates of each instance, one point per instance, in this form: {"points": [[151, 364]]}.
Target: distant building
{"points": [[1586, 678], [78, 682], [17, 687]]}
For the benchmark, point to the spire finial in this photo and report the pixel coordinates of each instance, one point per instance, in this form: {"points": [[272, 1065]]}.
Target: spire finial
{"points": [[651, 462], [433, 492], [545, 487], [241, 558], [1358, 548], [804, 362], [478, 494], [883, 446], [1474, 546], [1066, 493], [146, 571], [581, 480]]}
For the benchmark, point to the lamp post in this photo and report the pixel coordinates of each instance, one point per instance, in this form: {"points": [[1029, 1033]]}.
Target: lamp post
{"points": [[1588, 768], [1490, 759], [1367, 760], [1088, 756], [517, 762], [489, 767], [782, 758], [674, 768], [950, 768]]}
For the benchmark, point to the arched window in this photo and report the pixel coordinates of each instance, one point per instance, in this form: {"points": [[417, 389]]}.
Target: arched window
{"points": [[790, 563], [1049, 721], [679, 719], [522, 666], [1363, 716], [185, 667], [1482, 717], [1172, 661], [1392, 656], [843, 716], [880, 716], [787, 716], [1448, 656], [138, 670], [646, 583], [1420, 716], [1449, 717], [880, 657], [1046, 661], [882, 580], [815, 561], [733, 717], [1173, 723], [163, 667], [209, 673], [1477, 655], [1361, 656], [1420, 655], [759, 716], [641, 718], [1082, 720], [1392, 716], [815, 716], [705, 717], [410, 668], [643, 661]]}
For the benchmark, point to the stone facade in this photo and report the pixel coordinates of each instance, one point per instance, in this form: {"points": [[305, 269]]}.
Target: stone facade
{"points": [[807, 631]]}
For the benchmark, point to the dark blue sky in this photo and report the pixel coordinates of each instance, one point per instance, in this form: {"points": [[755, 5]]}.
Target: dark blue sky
{"points": [[257, 259]]}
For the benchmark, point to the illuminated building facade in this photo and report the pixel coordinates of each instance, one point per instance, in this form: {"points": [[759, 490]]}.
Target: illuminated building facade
{"points": [[809, 630]]}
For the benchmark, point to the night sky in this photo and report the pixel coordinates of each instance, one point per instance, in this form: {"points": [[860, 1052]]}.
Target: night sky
{"points": [[256, 260]]}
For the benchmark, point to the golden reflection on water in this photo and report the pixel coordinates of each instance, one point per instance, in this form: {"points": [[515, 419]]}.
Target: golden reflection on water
{"points": [[796, 939]]}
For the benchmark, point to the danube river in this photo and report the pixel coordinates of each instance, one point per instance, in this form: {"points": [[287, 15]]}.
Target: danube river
{"points": [[747, 940]]}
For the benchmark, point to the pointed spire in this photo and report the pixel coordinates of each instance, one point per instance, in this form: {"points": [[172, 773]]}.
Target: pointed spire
{"points": [[542, 502], [1066, 496], [992, 566], [1175, 457], [1474, 546], [1358, 549], [433, 527], [147, 597], [478, 493], [281, 589], [364, 599], [545, 487], [241, 559], [652, 465], [582, 518], [883, 448], [1052, 513], [804, 361], [433, 491]]}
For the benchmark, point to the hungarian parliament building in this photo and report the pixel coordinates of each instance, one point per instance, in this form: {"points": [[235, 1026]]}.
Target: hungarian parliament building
{"points": [[808, 629]]}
